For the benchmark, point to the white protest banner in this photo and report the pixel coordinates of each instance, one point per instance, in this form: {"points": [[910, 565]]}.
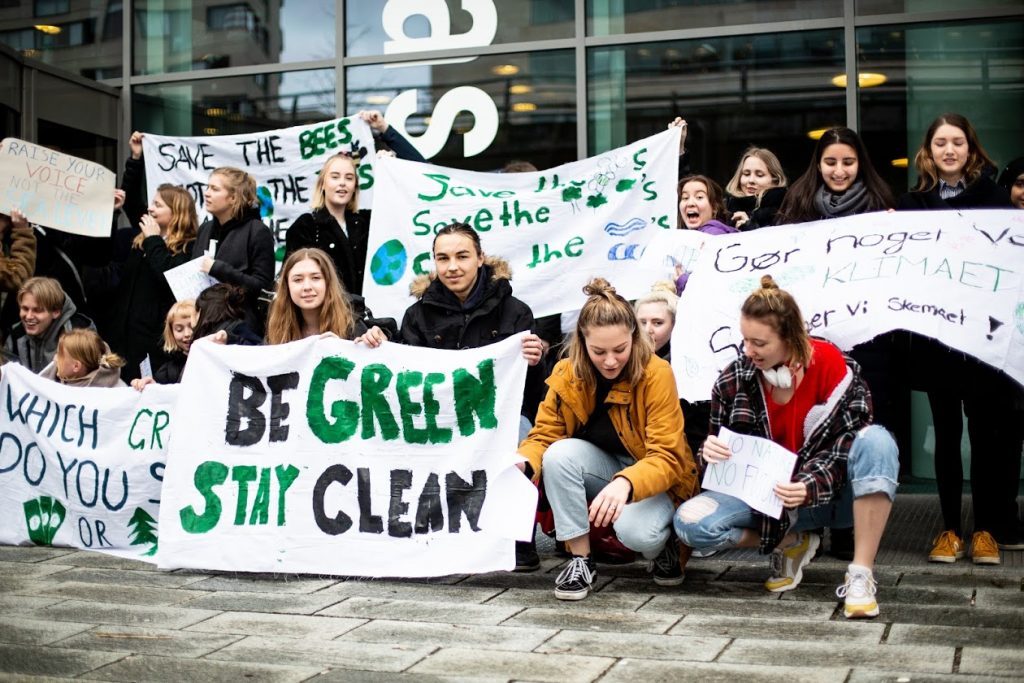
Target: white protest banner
{"points": [[82, 467], [751, 472], [187, 281], [557, 228], [672, 253], [284, 162], [328, 457], [955, 276], [56, 190]]}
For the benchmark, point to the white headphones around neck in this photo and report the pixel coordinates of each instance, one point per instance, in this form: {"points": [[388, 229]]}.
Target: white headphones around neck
{"points": [[780, 377]]}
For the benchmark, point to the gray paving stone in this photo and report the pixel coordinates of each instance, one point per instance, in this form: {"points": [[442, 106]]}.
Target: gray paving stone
{"points": [[521, 639], [491, 664], [175, 670], [781, 629], [927, 659], [766, 609], [865, 675], [1011, 597], [530, 581], [887, 595], [634, 670], [959, 575], [734, 590], [616, 600], [22, 631], [635, 645], [100, 613], [31, 553], [415, 610], [13, 584], [264, 583], [324, 654], [580, 617], [991, 661], [49, 661], [120, 577], [954, 616], [107, 593], [277, 603], [90, 558], [956, 636], [282, 625], [149, 641], [399, 590], [355, 676], [31, 570], [23, 604]]}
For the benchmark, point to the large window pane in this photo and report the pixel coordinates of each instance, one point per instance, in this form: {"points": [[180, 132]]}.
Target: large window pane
{"points": [[976, 69], [529, 98], [910, 6], [376, 28], [227, 106], [82, 37], [186, 35], [768, 90], [611, 17]]}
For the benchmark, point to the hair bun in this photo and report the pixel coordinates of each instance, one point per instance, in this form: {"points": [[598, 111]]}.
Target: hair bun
{"points": [[598, 286], [768, 282], [664, 286]]}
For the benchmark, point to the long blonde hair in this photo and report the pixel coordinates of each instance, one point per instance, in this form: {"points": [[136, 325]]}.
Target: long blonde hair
{"points": [[284, 322], [605, 308], [977, 158], [770, 161], [319, 195], [182, 229], [89, 349]]}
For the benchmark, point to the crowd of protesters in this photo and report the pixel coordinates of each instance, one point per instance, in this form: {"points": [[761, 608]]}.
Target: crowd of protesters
{"points": [[617, 455]]}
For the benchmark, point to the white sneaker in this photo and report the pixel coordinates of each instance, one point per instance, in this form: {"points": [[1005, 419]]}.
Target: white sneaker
{"points": [[787, 565], [858, 593]]}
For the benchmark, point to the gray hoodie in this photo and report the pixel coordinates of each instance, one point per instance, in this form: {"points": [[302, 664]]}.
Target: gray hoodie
{"points": [[35, 353]]}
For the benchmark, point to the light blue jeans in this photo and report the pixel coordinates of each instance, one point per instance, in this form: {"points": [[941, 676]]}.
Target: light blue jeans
{"points": [[715, 521], [575, 471]]}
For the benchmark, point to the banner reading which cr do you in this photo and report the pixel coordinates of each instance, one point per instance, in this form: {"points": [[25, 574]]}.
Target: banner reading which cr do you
{"points": [[324, 456]]}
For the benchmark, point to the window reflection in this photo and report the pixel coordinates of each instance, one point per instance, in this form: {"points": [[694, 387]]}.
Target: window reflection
{"points": [[770, 90], [610, 17], [228, 106]]}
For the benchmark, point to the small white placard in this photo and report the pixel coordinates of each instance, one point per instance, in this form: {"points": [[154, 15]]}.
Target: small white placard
{"points": [[187, 281], [752, 471]]}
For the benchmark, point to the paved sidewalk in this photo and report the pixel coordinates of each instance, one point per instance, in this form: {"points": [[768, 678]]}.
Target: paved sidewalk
{"points": [[67, 614]]}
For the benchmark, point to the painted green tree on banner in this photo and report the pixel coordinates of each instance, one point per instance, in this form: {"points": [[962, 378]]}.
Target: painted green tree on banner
{"points": [[143, 528]]}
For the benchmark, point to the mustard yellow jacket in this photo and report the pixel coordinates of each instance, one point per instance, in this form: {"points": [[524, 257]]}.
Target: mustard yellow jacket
{"points": [[647, 418]]}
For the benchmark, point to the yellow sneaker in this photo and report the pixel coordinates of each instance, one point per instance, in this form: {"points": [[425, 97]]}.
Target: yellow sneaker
{"points": [[984, 549], [948, 547], [787, 566]]}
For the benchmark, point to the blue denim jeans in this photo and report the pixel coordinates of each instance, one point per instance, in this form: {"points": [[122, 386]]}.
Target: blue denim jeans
{"points": [[715, 521], [575, 471]]}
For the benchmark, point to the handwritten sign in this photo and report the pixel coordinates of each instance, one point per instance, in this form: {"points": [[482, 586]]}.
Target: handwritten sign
{"points": [[955, 276], [752, 471], [557, 228], [56, 190], [328, 457], [284, 162], [187, 281], [82, 467]]}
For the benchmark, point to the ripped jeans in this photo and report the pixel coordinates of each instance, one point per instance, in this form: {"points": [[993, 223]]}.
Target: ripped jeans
{"points": [[715, 521]]}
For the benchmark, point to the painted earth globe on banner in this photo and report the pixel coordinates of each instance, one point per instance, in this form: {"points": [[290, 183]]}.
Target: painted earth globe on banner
{"points": [[389, 262]]}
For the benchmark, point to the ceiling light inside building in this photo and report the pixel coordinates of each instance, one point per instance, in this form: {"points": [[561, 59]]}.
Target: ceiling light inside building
{"points": [[524, 106], [210, 131], [216, 112], [864, 80], [520, 89], [505, 69], [899, 163], [816, 133], [378, 99], [48, 29]]}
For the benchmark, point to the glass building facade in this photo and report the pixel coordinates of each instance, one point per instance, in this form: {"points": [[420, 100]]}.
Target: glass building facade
{"points": [[475, 83]]}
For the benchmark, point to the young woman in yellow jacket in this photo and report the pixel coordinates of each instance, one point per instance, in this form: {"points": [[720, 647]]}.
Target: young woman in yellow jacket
{"points": [[610, 434]]}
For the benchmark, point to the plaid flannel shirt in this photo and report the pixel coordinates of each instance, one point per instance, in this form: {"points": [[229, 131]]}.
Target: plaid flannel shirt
{"points": [[738, 403]]}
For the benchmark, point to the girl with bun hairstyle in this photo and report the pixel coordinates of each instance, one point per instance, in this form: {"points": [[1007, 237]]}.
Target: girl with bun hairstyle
{"points": [[84, 360], [806, 396], [610, 436]]}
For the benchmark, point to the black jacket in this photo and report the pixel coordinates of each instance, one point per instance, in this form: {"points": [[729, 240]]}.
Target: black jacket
{"points": [[983, 193], [763, 215], [170, 371], [244, 257], [320, 230], [438, 320]]}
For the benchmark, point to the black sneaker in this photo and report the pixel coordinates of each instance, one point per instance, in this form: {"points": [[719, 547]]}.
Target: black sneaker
{"points": [[665, 567], [576, 579], [527, 559]]}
